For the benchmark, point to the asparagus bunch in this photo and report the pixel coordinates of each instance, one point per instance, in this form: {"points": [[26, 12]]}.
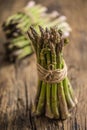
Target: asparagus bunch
{"points": [[18, 45], [53, 99]]}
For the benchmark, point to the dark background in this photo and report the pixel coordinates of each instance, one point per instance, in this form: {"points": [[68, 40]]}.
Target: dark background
{"points": [[75, 52]]}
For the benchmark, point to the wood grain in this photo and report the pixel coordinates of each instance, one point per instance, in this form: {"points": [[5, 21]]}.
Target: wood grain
{"points": [[18, 81]]}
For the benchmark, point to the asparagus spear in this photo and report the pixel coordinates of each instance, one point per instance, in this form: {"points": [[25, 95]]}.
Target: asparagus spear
{"points": [[48, 90], [33, 14], [61, 95], [41, 102], [55, 99], [54, 86]]}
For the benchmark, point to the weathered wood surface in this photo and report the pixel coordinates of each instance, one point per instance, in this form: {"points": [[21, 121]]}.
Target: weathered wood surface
{"points": [[18, 82]]}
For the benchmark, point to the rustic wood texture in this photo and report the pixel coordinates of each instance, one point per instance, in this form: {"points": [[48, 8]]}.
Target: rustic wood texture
{"points": [[18, 81]]}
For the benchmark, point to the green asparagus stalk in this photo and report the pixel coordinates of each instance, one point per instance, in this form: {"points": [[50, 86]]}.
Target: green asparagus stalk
{"points": [[72, 92], [70, 102], [48, 91], [54, 99], [61, 95], [41, 101], [17, 25], [54, 86], [19, 44]]}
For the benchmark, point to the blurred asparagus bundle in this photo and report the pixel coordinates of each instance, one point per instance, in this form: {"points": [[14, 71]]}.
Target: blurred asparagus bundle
{"points": [[18, 45], [55, 95]]}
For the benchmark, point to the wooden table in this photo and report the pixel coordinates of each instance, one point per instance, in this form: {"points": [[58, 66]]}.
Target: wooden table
{"points": [[18, 81]]}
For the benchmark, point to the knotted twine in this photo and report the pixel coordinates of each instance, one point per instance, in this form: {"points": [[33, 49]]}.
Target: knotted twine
{"points": [[52, 76]]}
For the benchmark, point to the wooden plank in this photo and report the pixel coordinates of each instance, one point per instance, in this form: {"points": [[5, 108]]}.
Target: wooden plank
{"points": [[18, 82]]}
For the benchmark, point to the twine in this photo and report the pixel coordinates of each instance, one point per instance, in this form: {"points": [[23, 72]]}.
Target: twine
{"points": [[52, 76]]}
